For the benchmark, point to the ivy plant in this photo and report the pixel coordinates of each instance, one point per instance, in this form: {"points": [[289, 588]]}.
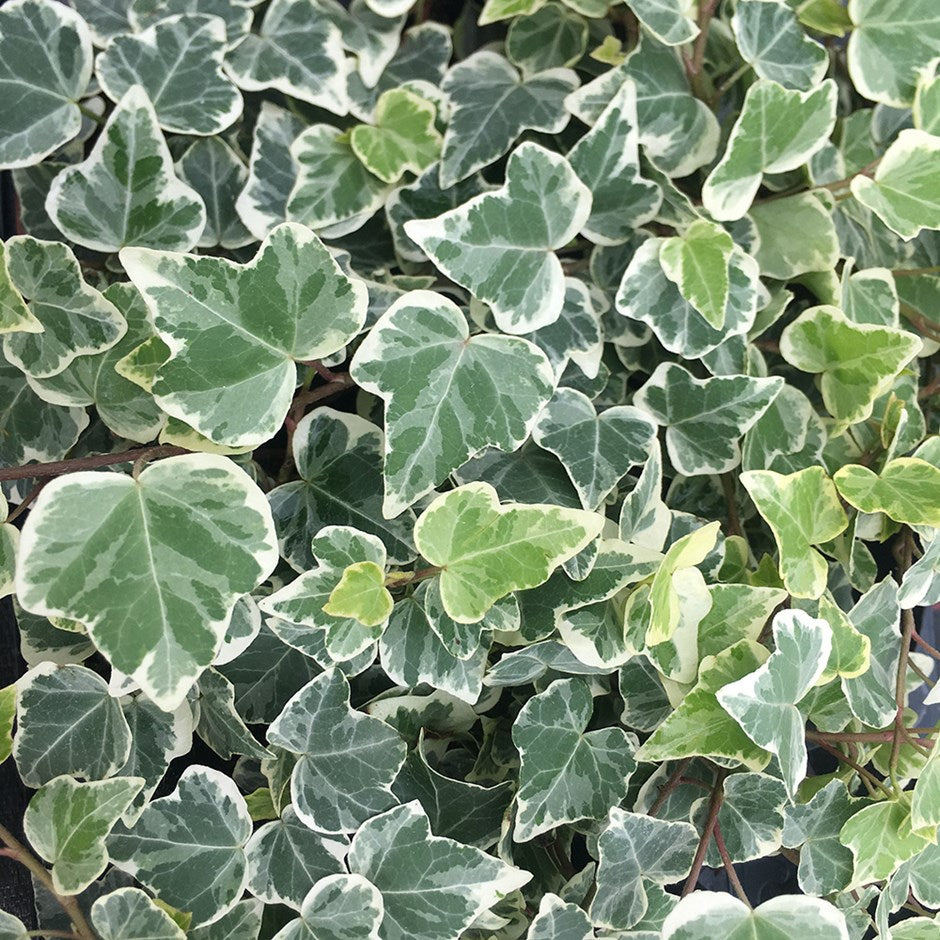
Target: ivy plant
{"points": [[469, 468]]}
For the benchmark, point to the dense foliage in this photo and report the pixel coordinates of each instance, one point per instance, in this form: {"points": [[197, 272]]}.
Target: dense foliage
{"points": [[506, 437]]}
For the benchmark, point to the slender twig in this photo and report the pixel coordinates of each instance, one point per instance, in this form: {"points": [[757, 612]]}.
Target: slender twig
{"points": [[718, 795], [397, 579], [67, 934], [866, 776], [58, 467], [97, 118], [729, 865], [694, 64], [873, 737], [729, 81], [27, 499], [674, 780], [911, 272], [922, 675], [846, 181], [924, 645]]}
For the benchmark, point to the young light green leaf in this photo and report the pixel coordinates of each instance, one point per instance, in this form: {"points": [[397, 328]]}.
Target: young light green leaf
{"points": [[486, 550], [764, 702], [361, 594], [45, 67], [851, 650], [125, 192], [802, 510], [705, 418], [290, 302], [161, 614], [540, 208], [907, 490], [347, 760], [67, 824], [129, 914], [188, 847], [420, 358], [881, 837], [558, 920], [778, 130], [338, 907], [668, 20], [7, 714]]}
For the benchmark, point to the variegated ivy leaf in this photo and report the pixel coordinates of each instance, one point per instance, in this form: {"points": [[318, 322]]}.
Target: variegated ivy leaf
{"points": [[338, 907], [67, 724], [606, 160], [178, 62], [551, 37], [371, 37], [360, 594], [15, 315], [926, 110], [188, 847], [125, 192], [802, 510], [144, 13], [486, 550], [558, 920], [192, 533], [597, 450], [430, 886], [540, 208], [787, 437], [242, 920], [670, 21], [448, 395], [907, 490], [67, 824], [925, 805], [219, 724], [12, 928], [129, 914], [463, 639], [778, 130], [492, 106], [297, 51], [9, 542], [403, 138], [45, 67], [567, 774], [903, 192], [795, 235], [858, 361], [495, 10], [738, 612], [705, 418], [764, 702], [770, 38], [637, 852], [290, 303]]}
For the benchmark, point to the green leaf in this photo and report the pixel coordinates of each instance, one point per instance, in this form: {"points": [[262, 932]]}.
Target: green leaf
{"points": [[193, 533], [67, 724], [129, 914], [430, 885], [492, 106], [907, 490], [7, 714], [361, 594], [188, 847], [881, 838], [144, 13], [403, 138], [796, 235], [232, 326], [557, 920], [764, 702], [738, 612], [219, 724], [496, 10], [903, 191], [567, 774], [541, 207], [704, 418], [926, 110], [787, 437], [925, 803], [771, 40], [778, 130], [347, 760], [858, 362], [125, 192], [486, 550], [15, 315], [338, 907], [668, 20], [67, 824], [851, 650], [635, 853], [550, 37], [243, 920], [178, 63], [802, 510], [420, 358], [45, 67], [463, 639]]}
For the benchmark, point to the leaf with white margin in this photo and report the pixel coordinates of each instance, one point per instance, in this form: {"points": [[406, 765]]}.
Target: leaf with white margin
{"points": [[770, 39], [903, 192], [178, 62], [76, 319], [45, 67], [567, 774], [496, 10], [802, 510], [517, 228], [7, 714], [463, 639], [597, 450], [338, 907], [558, 920], [360, 594], [606, 160], [738, 612], [15, 315], [332, 189], [486, 550], [218, 724], [193, 533], [858, 361], [764, 702], [907, 490], [796, 235], [286, 858], [241, 328], [372, 38], [705, 418], [926, 109], [242, 921], [67, 823], [891, 41], [12, 928], [777, 130], [668, 20], [881, 837], [787, 437], [188, 847], [870, 296], [347, 759], [851, 650], [68, 724], [492, 106], [921, 583], [298, 51], [704, 915], [125, 192], [144, 13], [925, 802], [646, 294], [551, 37], [439, 384], [129, 914], [644, 517], [532, 662], [431, 886], [635, 852], [9, 542]]}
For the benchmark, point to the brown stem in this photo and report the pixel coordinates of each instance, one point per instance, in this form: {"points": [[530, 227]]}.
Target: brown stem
{"points": [[67, 934], [920, 322], [847, 180], [873, 737], [674, 780], [928, 391], [694, 64], [729, 865], [718, 795], [865, 775], [398, 579], [27, 499], [911, 272], [57, 468]]}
